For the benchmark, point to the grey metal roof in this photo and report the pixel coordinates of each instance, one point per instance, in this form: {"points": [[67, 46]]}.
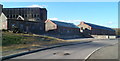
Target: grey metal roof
{"points": [[65, 24], [98, 26]]}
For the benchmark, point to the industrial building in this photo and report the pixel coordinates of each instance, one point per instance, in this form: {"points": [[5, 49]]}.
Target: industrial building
{"points": [[62, 28], [30, 14], [34, 20], [94, 30], [30, 20]]}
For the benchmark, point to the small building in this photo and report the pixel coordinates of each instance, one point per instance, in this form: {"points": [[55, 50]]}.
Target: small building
{"points": [[93, 29], [62, 29], [3, 19], [3, 22]]}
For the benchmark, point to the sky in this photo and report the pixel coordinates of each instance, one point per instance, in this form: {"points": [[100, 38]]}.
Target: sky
{"points": [[59, 0], [100, 13]]}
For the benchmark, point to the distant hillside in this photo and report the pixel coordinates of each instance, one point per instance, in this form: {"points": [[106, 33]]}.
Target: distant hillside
{"points": [[117, 31]]}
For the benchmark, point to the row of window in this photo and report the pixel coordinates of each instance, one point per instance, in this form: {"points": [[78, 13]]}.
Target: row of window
{"points": [[30, 26], [99, 31], [24, 16], [67, 30], [21, 9]]}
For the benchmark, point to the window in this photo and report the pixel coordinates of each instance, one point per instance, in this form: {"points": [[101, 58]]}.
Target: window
{"points": [[37, 15], [89, 28], [86, 28], [7, 16], [81, 28], [13, 16], [34, 15], [25, 15], [10, 16]]}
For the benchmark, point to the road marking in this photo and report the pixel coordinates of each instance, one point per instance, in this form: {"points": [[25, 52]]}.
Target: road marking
{"points": [[95, 51], [92, 53]]}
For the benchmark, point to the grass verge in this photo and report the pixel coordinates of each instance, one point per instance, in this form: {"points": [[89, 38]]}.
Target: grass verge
{"points": [[18, 41]]}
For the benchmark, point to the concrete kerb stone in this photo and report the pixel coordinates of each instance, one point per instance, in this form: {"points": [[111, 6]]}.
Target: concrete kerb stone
{"points": [[41, 49]]}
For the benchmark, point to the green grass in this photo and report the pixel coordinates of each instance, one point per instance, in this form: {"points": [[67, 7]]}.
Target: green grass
{"points": [[13, 41]]}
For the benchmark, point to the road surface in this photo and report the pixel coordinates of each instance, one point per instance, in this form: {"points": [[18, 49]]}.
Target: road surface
{"points": [[78, 51]]}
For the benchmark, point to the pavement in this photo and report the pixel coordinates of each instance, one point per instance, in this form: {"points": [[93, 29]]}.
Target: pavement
{"points": [[77, 51]]}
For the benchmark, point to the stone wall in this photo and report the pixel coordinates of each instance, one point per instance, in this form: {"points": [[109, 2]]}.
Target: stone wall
{"points": [[95, 31], [0, 16], [49, 26], [63, 32], [26, 26], [1, 9]]}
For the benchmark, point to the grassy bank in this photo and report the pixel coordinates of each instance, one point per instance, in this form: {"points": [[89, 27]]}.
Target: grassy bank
{"points": [[12, 41]]}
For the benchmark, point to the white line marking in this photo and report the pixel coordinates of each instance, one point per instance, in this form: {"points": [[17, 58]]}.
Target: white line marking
{"points": [[92, 53]]}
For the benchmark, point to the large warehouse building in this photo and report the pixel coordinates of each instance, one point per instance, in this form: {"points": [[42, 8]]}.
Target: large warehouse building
{"points": [[31, 14], [62, 28], [34, 20], [26, 19], [95, 30]]}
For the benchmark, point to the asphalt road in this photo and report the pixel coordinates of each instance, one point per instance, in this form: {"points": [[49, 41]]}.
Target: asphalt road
{"points": [[78, 51]]}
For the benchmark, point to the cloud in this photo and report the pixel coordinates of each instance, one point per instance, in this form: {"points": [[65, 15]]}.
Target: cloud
{"points": [[68, 21], [41, 6], [72, 21], [35, 5], [53, 18], [110, 22]]}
